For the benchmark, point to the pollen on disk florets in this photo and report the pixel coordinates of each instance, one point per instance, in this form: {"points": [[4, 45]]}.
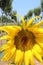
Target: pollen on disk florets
{"points": [[24, 40]]}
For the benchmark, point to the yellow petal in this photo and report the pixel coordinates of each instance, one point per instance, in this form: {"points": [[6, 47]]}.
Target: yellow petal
{"points": [[40, 42], [29, 22], [38, 24], [38, 35], [6, 56], [10, 30], [7, 37], [36, 30], [37, 55], [26, 57], [20, 63], [37, 48], [13, 50], [10, 50], [6, 46], [42, 63], [18, 56], [31, 58], [40, 30], [9, 64], [41, 45], [37, 16], [17, 27], [23, 21]]}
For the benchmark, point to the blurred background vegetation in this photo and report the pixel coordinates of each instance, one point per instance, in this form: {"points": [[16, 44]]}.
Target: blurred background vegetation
{"points": [[9, 16]]}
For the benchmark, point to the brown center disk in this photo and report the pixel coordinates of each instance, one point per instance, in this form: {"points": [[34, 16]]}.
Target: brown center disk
{"points": [[24, 40]]}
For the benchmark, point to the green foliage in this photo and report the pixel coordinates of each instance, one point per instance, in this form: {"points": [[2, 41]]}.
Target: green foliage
{"points": [[5, 19], [30, 13], [25, 17], [37, 11], [13, 15], [42, 5], [6, 5]]}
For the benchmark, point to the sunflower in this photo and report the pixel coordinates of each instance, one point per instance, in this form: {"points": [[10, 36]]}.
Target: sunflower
{"points": [[24, 42]]}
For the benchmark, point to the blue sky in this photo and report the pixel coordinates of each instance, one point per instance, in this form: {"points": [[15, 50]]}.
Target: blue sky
{"points": [[23, 6]]}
